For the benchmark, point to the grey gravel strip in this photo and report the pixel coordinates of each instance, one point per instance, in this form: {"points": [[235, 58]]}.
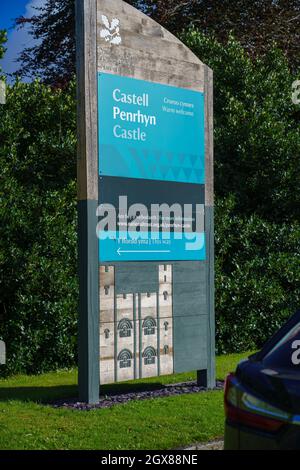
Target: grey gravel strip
{"points": [[117, 398], [213, 445]]}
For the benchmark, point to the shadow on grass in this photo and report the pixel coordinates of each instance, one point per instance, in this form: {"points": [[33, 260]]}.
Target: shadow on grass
{"points": [[38, 394], [48, 394]]}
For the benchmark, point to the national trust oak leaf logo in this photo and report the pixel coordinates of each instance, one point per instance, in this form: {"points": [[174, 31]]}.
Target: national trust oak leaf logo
{"points": [[111, 32]]}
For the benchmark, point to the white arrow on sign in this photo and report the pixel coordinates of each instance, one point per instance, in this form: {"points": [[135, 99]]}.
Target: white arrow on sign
{"points": [[140, 251]]}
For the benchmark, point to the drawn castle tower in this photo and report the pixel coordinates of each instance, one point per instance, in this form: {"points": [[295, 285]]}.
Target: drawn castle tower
{"points": [[136, 329]]}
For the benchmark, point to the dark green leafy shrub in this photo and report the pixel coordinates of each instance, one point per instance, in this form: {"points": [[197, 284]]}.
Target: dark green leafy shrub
{"points": [[257, 277], [257, 131], [38, 283]]}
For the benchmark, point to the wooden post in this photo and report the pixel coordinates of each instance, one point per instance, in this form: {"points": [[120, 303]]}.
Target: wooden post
{"points": [[87, 201], [209, 222]]}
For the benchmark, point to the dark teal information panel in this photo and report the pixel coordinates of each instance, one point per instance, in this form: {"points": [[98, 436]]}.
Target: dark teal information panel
{"points": [[151, 136]]}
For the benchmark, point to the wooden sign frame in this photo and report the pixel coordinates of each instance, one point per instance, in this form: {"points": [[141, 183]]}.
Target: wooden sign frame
{"points": [[146, 51]]}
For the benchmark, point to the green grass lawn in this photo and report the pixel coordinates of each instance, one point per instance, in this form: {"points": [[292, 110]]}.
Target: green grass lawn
{"points": [[162, 423]]}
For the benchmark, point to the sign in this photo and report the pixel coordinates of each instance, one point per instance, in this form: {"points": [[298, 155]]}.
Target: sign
{"points": [[151, 136], [145, 201]]}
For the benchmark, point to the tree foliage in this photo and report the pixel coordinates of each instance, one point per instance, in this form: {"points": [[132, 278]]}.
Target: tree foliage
{"points": [[2, 42], [53, 55], [255, 23]]}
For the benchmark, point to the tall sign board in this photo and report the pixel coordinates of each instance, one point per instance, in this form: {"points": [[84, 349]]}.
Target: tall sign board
{"points": [[145, 192]]}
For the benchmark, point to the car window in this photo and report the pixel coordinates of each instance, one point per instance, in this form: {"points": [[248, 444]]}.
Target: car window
{"points": [[286, 353]]}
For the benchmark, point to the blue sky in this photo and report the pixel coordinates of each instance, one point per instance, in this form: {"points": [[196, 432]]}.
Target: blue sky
{"points": [[17, 39], [11, 9]]}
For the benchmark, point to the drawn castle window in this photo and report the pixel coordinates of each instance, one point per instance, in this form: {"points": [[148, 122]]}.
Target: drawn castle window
{"points": [[149, 326], [125, 358], [125, 328], [166, 349], [149, 356], [106, 333], [166, 325]]}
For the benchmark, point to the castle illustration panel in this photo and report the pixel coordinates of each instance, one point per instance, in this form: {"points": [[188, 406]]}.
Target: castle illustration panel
{"points": [[136, 329]]}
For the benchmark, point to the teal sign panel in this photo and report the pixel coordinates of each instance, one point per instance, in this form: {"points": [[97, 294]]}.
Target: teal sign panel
{"points": [[150, 134], [134, 246], [150, 131]]}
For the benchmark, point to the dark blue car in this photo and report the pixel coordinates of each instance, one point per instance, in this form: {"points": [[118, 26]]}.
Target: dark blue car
{"points": [[262, 398]]}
